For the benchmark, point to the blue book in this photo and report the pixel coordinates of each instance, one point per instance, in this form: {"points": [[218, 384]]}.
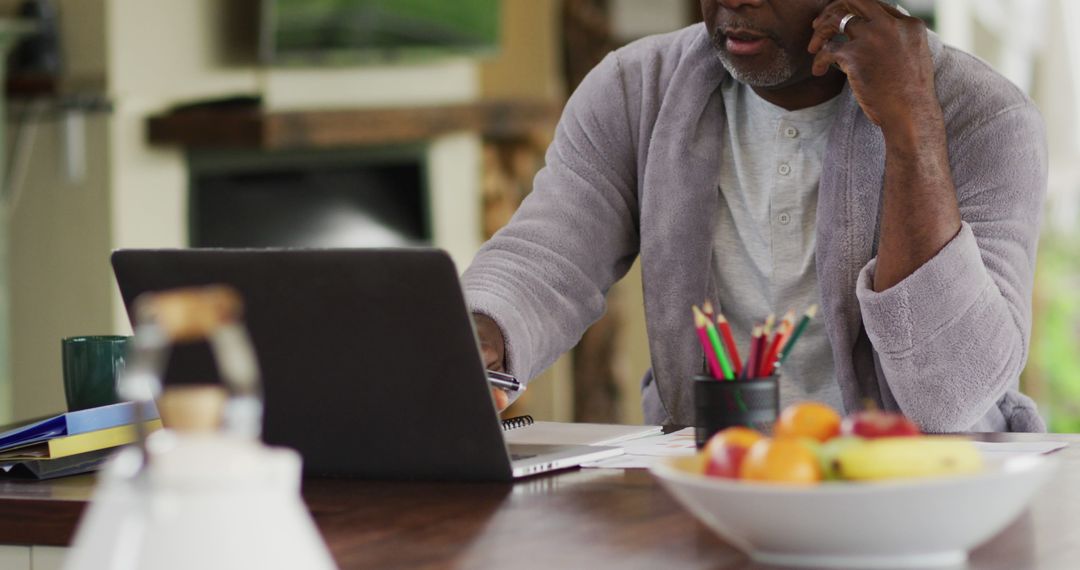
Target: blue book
{"points": [[73, 423]]}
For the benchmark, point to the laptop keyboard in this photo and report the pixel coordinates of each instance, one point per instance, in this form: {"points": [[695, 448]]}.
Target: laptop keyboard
{"points": [[520, 456]]}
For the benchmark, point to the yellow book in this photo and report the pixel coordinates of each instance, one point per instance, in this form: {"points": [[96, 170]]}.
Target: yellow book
{"points": [[81, 443]]}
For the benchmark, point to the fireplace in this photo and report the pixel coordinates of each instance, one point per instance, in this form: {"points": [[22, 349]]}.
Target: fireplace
{"points": [[334, 198]]}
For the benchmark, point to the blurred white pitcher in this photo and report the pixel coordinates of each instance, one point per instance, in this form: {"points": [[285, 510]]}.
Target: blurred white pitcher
{"points": [[204, 492]]}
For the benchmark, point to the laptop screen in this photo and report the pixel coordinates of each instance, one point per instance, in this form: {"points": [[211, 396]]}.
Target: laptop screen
{"points": [[369, 360]]}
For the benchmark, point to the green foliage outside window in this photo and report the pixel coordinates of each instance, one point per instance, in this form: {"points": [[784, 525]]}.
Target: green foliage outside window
{"points": [[344, 30], [1053, 373]]}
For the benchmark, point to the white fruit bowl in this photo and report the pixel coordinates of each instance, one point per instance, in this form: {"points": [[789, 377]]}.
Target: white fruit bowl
{"points": [[928, 523]]}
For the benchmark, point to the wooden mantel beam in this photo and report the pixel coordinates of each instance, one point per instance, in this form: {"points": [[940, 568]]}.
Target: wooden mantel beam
{"points": [[254, 128]]}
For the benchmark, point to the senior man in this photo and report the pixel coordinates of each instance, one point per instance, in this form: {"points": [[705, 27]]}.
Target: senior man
{"points": [[785, 153]]}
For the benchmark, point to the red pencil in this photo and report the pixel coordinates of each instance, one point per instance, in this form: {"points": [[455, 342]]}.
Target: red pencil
{"points": [[768, 365], [755, 347], [763, 345], [700, 323], [729, 342]]}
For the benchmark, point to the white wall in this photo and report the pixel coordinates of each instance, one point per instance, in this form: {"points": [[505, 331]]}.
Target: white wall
{"points": [[60, 278], [632, 19]]}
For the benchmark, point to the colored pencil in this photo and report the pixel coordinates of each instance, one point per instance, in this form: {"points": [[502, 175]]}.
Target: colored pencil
{"points": [[729, 342], [769, 322], [718, 346], [703, 337], [763, 342], [768, 366], [749, 371], [707, 308], [763, 345], [790, 344]]}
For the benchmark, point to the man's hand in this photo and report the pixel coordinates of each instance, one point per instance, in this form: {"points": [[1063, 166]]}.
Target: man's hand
{"points": [[890, 69], [493, 351], [887, 61]]}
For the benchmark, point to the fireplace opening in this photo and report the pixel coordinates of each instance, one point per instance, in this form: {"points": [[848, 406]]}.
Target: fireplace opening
{"points": [[309, 199]]}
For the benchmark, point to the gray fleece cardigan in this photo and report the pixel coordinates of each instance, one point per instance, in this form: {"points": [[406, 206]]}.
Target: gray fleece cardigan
{"points": [[633, 171]]}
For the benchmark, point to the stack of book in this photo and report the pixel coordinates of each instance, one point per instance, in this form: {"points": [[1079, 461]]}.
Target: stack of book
{"points": [[70, 443]]}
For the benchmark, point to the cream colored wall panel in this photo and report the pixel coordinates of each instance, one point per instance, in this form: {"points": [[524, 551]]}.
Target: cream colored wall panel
{"points": [[173, 50], [61, 283], [632, 19], [149, 184], [438, 83], [47, 557], [149, 192], [454, 169], [82, 27], [14, 557]]}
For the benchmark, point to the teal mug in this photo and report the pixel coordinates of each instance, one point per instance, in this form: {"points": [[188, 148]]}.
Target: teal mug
{"points": [[92, 366]]}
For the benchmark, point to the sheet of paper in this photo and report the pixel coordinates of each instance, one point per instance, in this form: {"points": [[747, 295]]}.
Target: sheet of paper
{"points": [[558, 433], [1009, 448], [643, 452], [666, 445], [624, 462]]}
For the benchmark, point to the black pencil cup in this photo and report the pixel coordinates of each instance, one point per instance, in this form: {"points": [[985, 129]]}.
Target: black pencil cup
{"points": [[720, 404]]}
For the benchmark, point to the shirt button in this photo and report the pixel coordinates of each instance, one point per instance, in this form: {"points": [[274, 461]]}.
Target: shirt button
{"points": [[784, 170], [785, 218], [791, 132]]}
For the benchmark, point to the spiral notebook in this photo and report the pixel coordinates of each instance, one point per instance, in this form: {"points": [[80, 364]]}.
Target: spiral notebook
{"points": [[517, 422]]}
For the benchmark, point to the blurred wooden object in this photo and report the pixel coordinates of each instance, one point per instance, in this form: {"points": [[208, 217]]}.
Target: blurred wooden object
{"points": [[187, 315], [250, 127], [588, 37], [212, 313], [528, 64], [195, 408], [508, 172]]}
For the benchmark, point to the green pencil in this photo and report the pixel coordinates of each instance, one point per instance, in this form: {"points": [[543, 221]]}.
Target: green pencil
{"points": [[718, 346], [810, 313]]}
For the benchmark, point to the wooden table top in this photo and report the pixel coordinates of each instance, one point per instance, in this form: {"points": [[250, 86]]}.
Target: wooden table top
{"points": [[576, 519]]}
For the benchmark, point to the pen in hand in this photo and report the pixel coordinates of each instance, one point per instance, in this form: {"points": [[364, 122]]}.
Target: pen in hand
{"points": [[504, 381]]}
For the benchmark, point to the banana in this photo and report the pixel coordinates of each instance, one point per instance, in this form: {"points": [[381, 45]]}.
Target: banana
{"points": [[907, 457]]}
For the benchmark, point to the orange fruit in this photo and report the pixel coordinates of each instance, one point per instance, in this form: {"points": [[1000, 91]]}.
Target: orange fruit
{"points": [[725, 451], [787, 461], [736, 436], [812, 420]]}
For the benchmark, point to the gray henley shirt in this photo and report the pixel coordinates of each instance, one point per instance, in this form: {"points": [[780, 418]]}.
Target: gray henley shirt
{"points": [[765, 238]]}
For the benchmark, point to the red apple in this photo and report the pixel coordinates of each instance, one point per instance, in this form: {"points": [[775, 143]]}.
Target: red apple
{"points": [[872, 424], [726, 450]]}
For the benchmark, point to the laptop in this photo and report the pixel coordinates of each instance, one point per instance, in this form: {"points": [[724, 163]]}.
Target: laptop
{"points": [[370, 362]]}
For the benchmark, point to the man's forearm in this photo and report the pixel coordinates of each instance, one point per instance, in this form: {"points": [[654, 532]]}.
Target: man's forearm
{"points": [[920, 213], [891, 73]]}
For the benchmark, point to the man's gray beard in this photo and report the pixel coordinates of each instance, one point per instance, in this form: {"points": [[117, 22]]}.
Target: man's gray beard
{"points": [[779, 73]]}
